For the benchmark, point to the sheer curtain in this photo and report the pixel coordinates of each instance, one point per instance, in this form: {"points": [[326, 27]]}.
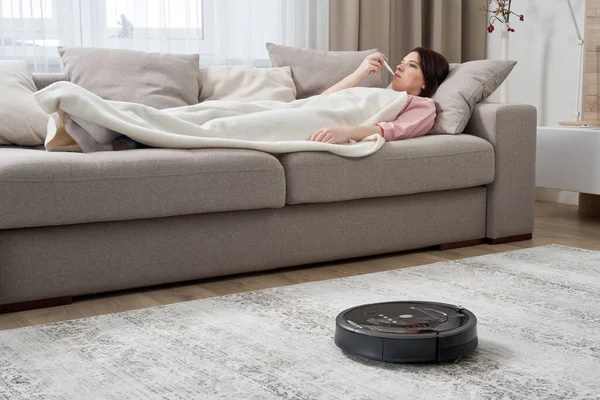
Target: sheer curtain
{"points": [[223, 32]]}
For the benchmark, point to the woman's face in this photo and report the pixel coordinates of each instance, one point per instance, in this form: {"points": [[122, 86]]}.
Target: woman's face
{"points": [[409, 77]]}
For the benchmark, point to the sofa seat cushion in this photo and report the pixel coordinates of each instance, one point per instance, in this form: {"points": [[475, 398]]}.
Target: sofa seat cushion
{"points": [[39, 188], [425, 164]]}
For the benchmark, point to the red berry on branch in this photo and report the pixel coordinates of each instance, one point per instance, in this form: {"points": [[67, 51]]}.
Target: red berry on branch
{"points": [[491, 28], [521, 17]]}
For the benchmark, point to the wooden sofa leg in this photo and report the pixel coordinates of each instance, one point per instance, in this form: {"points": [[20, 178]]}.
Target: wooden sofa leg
{"points": [[31, 305], [456, 245], [509, 239]]}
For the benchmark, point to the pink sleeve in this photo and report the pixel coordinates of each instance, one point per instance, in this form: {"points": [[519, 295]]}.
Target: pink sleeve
{"points": [[415, 120]]}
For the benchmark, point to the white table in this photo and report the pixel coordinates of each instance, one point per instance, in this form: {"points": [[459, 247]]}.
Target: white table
{"points": [[569, 159]]}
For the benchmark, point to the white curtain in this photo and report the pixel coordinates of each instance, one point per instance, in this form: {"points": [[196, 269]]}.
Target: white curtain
{"points": [[223, 32]]}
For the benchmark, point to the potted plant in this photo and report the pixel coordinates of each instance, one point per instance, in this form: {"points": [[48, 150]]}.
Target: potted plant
{"points": [[501, 12]]}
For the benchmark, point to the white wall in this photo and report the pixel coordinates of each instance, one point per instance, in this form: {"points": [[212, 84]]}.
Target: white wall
{"points": [[545, 46]]}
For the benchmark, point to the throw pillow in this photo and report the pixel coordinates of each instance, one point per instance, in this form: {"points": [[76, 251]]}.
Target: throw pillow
{"points": [[154, 79], [315, 71], [22, 121], [466, 85], [247, 84]]}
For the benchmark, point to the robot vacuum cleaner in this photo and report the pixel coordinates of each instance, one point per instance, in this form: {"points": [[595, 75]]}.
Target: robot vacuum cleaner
{"points": [[407, 331]]}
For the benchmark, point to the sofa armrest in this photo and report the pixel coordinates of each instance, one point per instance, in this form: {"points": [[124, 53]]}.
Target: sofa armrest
{"points": [[512, 130]]}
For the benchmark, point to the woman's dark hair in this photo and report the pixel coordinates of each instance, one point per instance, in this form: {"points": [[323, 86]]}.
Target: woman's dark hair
{"points": [[435, 69]]}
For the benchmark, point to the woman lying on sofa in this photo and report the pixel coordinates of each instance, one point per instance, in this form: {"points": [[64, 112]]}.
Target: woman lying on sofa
{"points": [[419, 74]]}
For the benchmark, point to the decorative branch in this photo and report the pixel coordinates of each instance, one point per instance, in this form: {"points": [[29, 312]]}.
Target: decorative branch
{"points": [[501, 14]]}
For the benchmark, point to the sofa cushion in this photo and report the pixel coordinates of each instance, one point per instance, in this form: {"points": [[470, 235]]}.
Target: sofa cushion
{"points": [[466, 85], [42, 188], [315, 71], [22, 121], [43, 79], [425, 164], [243, 83], [155, 79]]}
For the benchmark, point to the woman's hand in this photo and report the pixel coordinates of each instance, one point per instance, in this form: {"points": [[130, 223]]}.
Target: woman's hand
{"points": [[333, 135], [370, 65], [344, 134]]}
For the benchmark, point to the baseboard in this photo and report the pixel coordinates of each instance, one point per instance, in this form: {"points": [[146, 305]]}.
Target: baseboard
{"points": [[557, 196]]}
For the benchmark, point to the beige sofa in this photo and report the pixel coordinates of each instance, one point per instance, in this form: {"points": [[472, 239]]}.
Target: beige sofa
{"points": [[153, 216]]}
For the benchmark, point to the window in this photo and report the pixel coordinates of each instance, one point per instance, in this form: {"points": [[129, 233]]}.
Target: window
{"points": [[12, 9], [135, 24], [171, 14], [28, 31], [223, 32]]}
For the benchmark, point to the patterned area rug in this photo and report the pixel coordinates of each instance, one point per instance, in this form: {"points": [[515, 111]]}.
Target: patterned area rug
{"points": [[539, 331]]}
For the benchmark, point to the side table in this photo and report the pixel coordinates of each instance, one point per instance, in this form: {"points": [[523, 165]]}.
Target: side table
{"points": [[569, 159]]}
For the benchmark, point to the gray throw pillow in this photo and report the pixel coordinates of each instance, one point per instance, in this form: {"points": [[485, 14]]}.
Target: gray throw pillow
{"points": [[466, 85], [155, 79], [22, 121], [315, 71]]}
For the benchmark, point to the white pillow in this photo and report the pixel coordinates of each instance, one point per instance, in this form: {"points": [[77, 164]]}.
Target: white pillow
{"points": [[247, 84], [22, 121]]}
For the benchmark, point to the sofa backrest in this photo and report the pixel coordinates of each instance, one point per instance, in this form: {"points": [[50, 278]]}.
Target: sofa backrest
{"points": [[42, 80]]}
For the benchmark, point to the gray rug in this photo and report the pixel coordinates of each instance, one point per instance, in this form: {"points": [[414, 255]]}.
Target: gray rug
{"points": [[539, 330]]}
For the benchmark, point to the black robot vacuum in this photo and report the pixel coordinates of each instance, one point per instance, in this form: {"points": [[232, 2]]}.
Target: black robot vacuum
{"points": [[407, 331]]}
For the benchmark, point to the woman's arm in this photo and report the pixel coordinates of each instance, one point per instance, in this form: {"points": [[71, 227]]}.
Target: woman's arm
{"points": [[348, 82], [417, 119], [370, 65]]}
